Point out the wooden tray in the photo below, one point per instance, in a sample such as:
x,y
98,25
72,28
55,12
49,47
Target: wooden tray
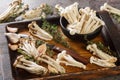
x,y
92,72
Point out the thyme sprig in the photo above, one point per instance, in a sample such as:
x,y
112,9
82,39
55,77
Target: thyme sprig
x,y
116,17
54,31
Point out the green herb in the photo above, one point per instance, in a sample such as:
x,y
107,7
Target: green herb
x,y
50,52
24,54
54,31
38,43
116,17
47,9
102,47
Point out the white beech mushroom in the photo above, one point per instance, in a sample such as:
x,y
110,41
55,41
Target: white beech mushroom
x,y
80,21
35,13
11,7
68,60
101,62
39,54
29,49
36,31
54,64
93,48
52,70
29,66
110,9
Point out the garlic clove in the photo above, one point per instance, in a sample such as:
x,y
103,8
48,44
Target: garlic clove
x,y
13,47
13,37
12,30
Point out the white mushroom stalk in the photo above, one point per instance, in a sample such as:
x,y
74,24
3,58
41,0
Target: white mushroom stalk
x,y
110,9
68,60
101,62
80,21
51,62
29,66
29,49
36,13
10,8
39,55
93,48
36,31
52,70
13,10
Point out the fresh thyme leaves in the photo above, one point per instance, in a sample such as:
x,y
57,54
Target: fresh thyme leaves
x,y
38,43
50,52
54,31
48,9
26,56
102,47
116,17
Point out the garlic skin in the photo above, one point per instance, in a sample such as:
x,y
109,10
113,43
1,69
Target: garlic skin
x,y
13,47
12,30
13,37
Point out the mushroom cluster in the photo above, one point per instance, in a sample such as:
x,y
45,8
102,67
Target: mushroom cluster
x,y
110,9
68,60
36,31
104,60
81,21
15,9
39,54
37,13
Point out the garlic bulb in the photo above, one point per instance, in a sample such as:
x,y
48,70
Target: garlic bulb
x,y
13,37
13,47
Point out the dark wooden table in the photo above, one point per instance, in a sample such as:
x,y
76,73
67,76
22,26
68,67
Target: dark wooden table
x,y
95,4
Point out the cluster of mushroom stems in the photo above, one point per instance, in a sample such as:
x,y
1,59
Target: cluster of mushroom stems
x,y
27,44
110,9
81,21
104,60
13,9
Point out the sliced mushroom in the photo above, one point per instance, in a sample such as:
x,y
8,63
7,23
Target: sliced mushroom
x,y
36,31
